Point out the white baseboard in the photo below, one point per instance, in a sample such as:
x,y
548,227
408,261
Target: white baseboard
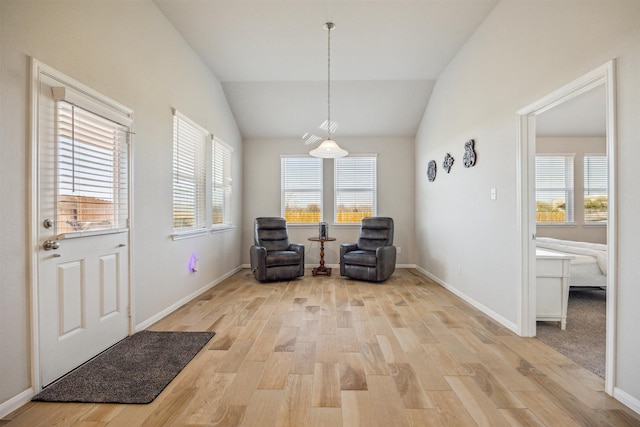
x,y
150,321
628,400
15,402
486,310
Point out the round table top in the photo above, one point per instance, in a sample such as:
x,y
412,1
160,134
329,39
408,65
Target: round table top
x,y
322,239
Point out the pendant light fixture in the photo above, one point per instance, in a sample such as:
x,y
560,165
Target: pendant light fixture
x,y
329,149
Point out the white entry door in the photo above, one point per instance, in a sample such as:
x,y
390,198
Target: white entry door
x,y
82,224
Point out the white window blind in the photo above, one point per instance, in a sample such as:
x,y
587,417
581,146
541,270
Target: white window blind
x,y
92,171
554,189
595,188
301,189
189,174
221,183
355,188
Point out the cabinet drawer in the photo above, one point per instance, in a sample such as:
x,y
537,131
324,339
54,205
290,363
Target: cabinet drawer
x,y
549,268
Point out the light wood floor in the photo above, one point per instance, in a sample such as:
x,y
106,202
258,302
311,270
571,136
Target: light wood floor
x,y
326,351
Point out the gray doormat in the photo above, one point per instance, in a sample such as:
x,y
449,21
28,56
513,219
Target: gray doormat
x,y
135,370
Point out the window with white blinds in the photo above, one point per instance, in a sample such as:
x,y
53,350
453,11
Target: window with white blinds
x,y
92,171
221,183
355,188
595,188
554,189
301,189
189,174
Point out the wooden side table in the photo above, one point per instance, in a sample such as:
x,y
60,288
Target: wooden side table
x,y
322,269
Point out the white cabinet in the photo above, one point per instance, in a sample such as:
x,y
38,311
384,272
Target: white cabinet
x,y
552,286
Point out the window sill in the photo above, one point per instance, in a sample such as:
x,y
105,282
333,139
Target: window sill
x,y
180,235
556,224
189,234
595,224
221,228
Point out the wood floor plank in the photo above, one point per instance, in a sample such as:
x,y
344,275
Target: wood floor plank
x,y
357,410
308,331
521,418
408,340
244,384
304,358
341,352
424,418
408,386
327,349
365,332
373,359
351,371
263,408
227,415
545,409
210,392
235,356
326,386
427,372
295,407
478,404
492,387
286,340
262,348
276,371
388,408
392,350
325,417
347,340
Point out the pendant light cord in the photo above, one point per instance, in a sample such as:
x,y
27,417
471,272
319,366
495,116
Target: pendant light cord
x,y
329,26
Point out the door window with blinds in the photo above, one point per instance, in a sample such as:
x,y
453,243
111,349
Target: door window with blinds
x,y
595,189
355,188
91,169
554,189
301,189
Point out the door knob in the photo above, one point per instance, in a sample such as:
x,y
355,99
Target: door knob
x,y
49,245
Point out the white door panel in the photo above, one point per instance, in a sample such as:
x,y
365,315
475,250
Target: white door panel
x,y
83,277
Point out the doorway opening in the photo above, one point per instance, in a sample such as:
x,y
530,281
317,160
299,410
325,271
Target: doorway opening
x,y
572,218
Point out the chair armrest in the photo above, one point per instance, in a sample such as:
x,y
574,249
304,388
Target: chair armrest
x,y
347,247
258,256
385,253
297,247
386,256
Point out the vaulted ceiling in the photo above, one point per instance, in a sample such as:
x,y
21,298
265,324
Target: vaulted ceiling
x,y
271,58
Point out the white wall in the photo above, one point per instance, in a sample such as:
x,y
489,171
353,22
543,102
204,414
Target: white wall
x,y
523,51
395,193
129,52
595,233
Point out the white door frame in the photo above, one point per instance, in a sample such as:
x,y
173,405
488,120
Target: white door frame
x,y
603,75
38,68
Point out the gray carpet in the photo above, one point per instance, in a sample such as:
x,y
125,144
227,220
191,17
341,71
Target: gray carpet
x,y
584,339
135,370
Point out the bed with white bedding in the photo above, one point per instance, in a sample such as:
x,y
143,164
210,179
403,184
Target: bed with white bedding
x,y
589,265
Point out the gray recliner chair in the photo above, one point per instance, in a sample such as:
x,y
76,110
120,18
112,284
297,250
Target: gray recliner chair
x,y
373,257
272,256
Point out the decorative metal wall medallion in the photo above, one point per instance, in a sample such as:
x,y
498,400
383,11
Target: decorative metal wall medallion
x,y
469,158
431,171
448,162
